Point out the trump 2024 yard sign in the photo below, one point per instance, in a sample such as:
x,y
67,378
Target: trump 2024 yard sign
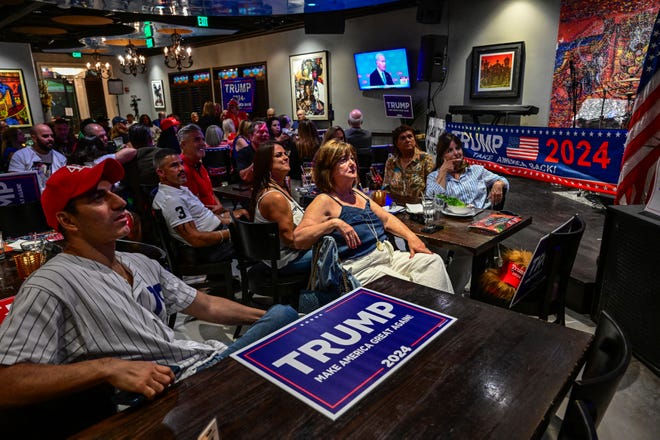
x,y
333,357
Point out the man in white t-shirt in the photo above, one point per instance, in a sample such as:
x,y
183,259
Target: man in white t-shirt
x,y
190,222
40,157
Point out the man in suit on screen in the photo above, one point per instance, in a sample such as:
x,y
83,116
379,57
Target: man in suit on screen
x,y
379,77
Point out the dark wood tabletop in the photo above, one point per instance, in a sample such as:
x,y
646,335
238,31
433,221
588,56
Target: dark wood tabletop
x,y
493,374
234,192
455,234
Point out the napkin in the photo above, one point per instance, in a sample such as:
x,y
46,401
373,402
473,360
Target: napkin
x,y
393,209
414,208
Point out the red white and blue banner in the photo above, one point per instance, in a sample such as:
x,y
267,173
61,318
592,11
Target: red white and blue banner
x,y
584,158
333,357
240,89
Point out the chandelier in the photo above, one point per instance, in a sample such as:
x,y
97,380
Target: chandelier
x,y
98,68
176,55
133,63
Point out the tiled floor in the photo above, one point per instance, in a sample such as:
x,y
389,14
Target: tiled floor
x,y
633,414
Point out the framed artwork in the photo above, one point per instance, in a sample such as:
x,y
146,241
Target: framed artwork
x,y
309,84
14,106
157,93
496,70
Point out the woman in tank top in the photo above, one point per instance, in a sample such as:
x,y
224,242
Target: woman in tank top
x,y
272,201
359,226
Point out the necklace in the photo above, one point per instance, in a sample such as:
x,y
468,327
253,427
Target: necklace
x,y
372,228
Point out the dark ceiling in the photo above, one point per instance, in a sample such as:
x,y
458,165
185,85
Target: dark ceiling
x,y
67,25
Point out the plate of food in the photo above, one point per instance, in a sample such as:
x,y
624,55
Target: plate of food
x,y
456,207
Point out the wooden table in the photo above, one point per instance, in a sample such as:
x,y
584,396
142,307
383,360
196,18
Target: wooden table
x,y
237,194
493,374
456,236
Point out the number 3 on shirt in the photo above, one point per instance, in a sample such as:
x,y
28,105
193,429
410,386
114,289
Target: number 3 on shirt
x,y
182,213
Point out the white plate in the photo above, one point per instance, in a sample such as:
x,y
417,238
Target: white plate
x,y
472,213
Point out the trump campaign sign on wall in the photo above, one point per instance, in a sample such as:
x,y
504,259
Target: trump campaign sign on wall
x,y
585,158
333,357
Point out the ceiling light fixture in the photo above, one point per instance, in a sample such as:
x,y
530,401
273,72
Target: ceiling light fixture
x,y
133,63
97,68
176,55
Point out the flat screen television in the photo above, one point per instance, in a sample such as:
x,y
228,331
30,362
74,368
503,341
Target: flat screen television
x,y
382,69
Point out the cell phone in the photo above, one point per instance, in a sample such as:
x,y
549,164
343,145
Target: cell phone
x,y
430,229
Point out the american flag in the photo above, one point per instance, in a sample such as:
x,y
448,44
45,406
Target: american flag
x,y
643,141
527,149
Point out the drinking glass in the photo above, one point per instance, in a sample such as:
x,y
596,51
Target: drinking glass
x,y
428,206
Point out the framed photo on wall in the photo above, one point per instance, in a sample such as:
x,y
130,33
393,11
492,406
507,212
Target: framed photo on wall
x,y
309,84
14,106
157,93
497,70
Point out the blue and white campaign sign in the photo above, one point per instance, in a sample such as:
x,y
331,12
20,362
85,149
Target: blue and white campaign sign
x,y
333,357
398,106
583,158
240,89
19,188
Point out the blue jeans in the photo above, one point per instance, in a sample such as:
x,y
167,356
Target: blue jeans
x,y
275,318
301,265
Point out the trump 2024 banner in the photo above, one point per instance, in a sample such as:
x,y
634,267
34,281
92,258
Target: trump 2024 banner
x,y
584,158
333,357
240,89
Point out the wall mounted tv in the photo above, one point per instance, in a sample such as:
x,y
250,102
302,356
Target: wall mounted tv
x,y
383,69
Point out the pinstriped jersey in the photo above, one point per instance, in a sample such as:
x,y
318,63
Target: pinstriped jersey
x,y
74,309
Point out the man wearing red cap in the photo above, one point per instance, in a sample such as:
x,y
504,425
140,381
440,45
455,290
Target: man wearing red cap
x,y
93,316
233,113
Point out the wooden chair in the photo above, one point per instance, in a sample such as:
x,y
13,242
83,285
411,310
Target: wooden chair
x,y
607,361
255,243
181,268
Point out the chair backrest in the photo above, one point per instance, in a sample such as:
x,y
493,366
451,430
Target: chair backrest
x,y
578,424
151,251
165,239
19,220
255,241
546,279
607,361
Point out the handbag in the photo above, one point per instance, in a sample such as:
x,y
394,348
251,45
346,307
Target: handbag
x,y
328,280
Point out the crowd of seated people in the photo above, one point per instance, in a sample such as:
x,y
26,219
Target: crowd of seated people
x,y
264,154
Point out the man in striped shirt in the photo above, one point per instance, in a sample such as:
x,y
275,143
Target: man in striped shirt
x,y
92,315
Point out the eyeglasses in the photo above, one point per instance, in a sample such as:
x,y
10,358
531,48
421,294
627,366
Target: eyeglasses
x,y
281,153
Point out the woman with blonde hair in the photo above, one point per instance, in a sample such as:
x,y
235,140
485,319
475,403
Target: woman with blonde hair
x,y
359,227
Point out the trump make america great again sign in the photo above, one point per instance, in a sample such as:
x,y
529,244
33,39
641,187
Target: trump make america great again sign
x,y
333,357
